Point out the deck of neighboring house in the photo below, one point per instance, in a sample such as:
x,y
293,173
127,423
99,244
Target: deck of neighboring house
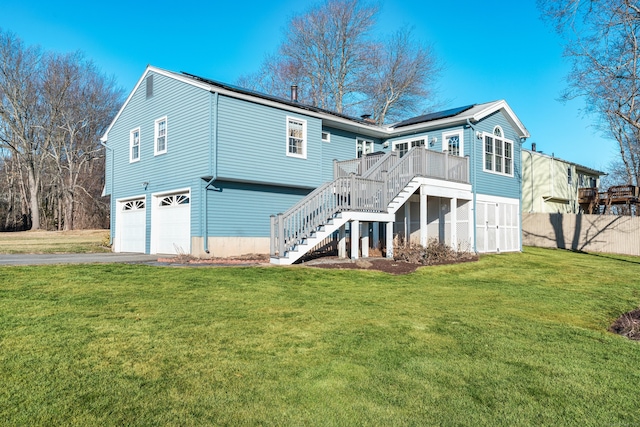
x,y
624,197
369,189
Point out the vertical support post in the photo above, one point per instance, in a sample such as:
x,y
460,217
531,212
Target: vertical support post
x,y
365,239
423,217
453,207
352,191
446,165
272,248
472,228
335,168
342,242
389,239
280,235
375,236
407,223
355,239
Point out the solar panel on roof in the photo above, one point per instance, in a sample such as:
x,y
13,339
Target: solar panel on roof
x,y
434,116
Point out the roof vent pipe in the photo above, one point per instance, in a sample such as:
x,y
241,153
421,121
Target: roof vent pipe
x,y
533,146
294,93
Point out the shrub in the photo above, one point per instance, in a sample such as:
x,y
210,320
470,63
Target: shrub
x,y
435,252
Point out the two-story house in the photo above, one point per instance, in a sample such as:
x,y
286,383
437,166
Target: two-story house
x,y
553,185
201,167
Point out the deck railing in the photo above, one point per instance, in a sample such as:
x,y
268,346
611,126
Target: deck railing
x,y
356,166
383,180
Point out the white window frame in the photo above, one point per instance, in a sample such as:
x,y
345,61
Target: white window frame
x,y
325,136
368,147
132,144
156,135
303,142
445,141
411,142
503,158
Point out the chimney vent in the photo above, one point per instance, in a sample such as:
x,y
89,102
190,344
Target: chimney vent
x,y
294,93
533,146
365,116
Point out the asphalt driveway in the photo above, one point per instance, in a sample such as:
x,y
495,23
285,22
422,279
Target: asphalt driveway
x,y
41,259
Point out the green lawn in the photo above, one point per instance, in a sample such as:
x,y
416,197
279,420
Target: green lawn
x,y
514,339
53,242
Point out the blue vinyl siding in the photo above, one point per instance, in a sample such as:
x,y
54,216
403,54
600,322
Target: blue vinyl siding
x,y
188,121
491,183
243,210
252,145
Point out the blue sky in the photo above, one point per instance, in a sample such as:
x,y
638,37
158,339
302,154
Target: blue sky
x,y
495,49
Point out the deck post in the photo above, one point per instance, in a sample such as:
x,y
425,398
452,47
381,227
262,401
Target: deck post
x,y
365,239
272,242
407,223
355,238
423,217
280,235
454,223
375,236
342,242
389,239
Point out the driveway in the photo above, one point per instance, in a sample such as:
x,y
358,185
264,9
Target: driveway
x,y
41,259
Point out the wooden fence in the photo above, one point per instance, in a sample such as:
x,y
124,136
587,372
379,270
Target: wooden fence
x,y
590,233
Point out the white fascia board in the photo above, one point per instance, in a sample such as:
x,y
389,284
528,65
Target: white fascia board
x,y
492,107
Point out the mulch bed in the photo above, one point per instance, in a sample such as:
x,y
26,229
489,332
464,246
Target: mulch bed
x,y
330,262
628,325
379,264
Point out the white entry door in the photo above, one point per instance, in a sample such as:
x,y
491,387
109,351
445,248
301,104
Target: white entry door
x,y
171,224
131,226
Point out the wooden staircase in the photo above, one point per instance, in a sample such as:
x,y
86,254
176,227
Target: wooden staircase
x,y
369,190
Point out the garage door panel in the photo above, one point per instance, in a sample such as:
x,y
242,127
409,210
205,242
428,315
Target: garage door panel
x,y
171,220
131,226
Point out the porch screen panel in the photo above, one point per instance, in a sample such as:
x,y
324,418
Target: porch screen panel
x,y
462,226
481,227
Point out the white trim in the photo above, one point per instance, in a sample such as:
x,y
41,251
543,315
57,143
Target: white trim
x,y
322,136
305,144
131,138
157,152
445,143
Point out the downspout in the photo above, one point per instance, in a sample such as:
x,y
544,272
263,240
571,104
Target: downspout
x,y
473,186
110,191
213,162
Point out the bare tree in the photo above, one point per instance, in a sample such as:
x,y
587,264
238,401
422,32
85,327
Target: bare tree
x,y
602,43
330,53
53,108
401,79
20,111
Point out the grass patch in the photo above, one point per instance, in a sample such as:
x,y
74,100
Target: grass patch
x,y
514,339
53,242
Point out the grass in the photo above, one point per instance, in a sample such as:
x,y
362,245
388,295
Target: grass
x,y
51,242
515,339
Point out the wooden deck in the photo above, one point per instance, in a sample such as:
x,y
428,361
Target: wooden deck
x,y
591,201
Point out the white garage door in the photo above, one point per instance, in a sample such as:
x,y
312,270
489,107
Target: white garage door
x,y
171,224
131,226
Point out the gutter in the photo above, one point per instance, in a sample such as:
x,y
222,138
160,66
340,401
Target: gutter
x,y
213,163
473,186
111,217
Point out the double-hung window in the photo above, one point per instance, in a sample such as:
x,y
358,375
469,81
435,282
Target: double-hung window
x,y
160,145
296,138
498,153
453,143
363,147
134,145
